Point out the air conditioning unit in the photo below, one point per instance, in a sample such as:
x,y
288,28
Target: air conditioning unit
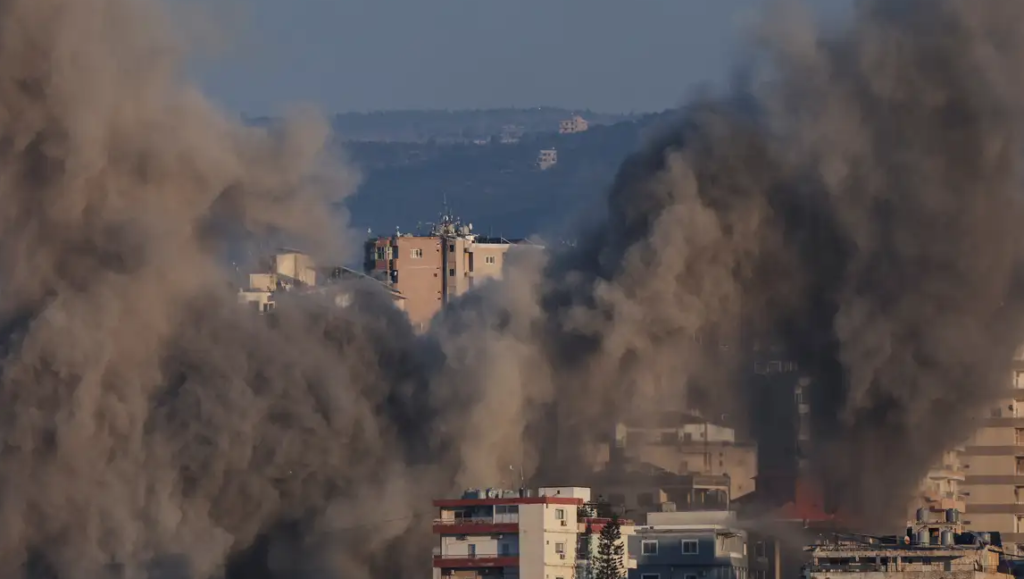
x,y
565,523
561,556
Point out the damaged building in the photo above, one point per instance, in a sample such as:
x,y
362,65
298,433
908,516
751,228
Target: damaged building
x,y
931,548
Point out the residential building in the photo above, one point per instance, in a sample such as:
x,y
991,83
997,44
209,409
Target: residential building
x,y
940,489
689,546
430,271
294,271
576,124
640,489
993,461
511,534
920,554
684,444
547,158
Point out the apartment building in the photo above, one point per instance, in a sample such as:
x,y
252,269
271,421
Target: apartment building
x,y
431,270
993,461
684,443
547,158
939,552
941,489
576,124
506,534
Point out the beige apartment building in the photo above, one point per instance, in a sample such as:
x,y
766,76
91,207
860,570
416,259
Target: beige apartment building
x,y
684,444
942,488
994,464
430,271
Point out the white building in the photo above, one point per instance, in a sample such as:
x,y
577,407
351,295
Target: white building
x,y
547,158
511,534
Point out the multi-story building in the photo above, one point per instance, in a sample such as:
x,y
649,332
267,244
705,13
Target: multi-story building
x,y
511,534
940,489
290,270
430,271
993,461
547,158
576,124
689,546
922,553
685,444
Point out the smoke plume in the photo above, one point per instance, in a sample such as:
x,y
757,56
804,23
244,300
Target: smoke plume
x,y
855,197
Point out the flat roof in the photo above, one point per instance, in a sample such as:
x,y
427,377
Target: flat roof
x,y
507,501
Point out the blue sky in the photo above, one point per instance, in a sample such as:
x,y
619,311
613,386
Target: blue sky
x,y
358,55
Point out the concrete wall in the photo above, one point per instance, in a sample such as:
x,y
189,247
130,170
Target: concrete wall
x,y
418,264
717,555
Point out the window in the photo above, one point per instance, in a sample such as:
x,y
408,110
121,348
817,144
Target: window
x,y
560,548
506,549
416,253
490,259
1018,379
1020,465
759,549
1018,436
1019,524
649,547
451,272
451,248
689,547
1018,493
560,514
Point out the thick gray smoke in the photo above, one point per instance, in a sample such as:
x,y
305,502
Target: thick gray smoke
x,y
857,198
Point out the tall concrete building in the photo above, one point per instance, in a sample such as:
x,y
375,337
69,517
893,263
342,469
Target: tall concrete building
x,y
431,270
994,465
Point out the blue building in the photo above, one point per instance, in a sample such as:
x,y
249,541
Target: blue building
x,y
699,551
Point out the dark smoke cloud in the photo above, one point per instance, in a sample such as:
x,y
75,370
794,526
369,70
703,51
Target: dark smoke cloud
x,y
856,196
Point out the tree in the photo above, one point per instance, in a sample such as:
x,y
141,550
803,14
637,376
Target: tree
x,y
610,552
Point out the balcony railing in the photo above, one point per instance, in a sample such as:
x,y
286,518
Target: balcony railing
x,y
478,521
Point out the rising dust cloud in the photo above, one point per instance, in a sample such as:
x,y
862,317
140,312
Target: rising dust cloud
x,y
856,197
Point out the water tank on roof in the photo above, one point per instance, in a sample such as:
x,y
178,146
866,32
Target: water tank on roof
x,y
472,494
668,507
952,516
922,515
494,493
923,538
947,538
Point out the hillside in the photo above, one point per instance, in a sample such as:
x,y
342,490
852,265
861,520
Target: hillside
x,y
495,186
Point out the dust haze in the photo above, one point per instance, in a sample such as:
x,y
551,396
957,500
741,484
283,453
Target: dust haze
x,y
855,196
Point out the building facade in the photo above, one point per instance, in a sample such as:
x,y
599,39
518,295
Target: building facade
x,y
688,551
576,124
430,271
294,271
687,444
953,556
993,461
511,534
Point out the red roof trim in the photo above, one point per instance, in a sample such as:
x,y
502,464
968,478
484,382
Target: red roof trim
x,y
507,501
475,528
474,562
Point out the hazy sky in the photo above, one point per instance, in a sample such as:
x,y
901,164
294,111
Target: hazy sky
x,y
357,55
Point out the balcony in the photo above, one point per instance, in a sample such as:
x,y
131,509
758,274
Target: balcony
x,y
476,526
474,561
